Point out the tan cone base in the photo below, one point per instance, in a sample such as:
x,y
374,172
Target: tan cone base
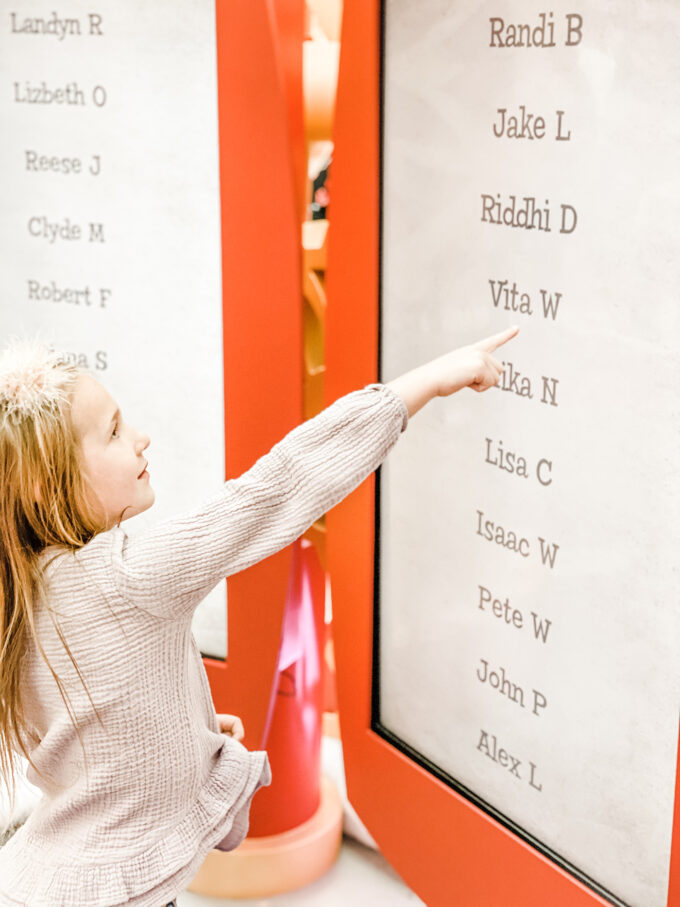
x,y
276,863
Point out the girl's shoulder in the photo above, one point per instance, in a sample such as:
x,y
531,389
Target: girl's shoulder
x,y
98,548
64,568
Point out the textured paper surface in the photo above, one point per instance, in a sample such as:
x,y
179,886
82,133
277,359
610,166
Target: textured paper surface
x,y
132,230
574,676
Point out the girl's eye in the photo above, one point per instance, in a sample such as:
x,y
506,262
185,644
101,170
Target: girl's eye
x,y
115,431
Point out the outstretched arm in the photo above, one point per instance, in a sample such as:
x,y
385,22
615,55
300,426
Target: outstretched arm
x,y
469,366
169,569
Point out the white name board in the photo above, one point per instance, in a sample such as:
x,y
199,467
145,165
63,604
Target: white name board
x,y
529,535
110,226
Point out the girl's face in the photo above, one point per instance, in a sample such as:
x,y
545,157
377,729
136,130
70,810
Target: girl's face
x,y
112,455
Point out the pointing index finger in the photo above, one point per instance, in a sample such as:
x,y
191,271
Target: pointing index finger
x,y
489,344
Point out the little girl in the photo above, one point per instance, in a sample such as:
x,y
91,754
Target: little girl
x,y
102,685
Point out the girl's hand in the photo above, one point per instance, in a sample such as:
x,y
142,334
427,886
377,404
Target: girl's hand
x,y
469,366
232,725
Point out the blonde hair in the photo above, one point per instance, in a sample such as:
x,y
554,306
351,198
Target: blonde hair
x,y
43,503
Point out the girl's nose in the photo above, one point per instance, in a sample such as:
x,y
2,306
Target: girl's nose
x,y
144,442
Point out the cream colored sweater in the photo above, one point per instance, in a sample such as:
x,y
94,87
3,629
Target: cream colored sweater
x,y
163,785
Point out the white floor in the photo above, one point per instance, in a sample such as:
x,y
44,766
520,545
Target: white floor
x,y
361,877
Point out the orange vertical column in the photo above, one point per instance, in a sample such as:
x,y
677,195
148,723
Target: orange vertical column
x,y
296,823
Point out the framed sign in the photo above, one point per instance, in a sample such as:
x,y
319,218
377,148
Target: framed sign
x,y
506,616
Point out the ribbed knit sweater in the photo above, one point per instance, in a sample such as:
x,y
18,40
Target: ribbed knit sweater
x,y
163,785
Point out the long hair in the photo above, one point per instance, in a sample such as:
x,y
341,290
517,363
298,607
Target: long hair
x,y
44,502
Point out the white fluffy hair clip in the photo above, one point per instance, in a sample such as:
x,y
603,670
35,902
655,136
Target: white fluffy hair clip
x,y
30,377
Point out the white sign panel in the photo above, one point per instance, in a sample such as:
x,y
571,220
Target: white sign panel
x,y
529,535
110,224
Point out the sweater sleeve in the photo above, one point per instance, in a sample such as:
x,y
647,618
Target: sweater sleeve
x,y
168,569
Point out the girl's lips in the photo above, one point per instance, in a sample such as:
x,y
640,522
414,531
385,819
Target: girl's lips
x,y
144,475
